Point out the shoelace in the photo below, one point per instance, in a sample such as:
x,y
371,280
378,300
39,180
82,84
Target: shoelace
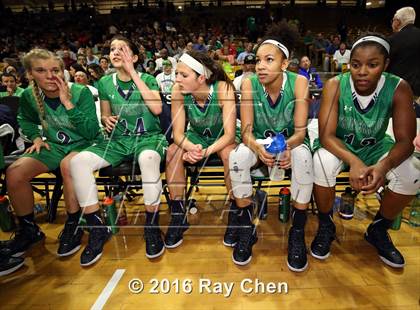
x,y
383,239
296,239
151,234
96,236
68,232
245,235
325,233
177,223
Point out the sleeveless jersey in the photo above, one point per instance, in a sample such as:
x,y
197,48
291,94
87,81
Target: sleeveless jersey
x,y
205,121
271,118
361,128
126,101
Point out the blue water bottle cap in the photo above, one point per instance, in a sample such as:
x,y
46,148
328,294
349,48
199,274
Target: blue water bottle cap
x,y
278,144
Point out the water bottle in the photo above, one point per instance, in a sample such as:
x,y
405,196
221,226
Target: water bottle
x,y
122,212
276,147
396,224
110,214
284,204
7,220
347,204
414,219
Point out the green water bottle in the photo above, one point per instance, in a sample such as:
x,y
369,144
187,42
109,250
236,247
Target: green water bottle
x,y
284,204
414,219
396,224
7,220
110,214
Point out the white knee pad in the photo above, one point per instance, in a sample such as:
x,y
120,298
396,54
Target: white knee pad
x,y
404,179
326,168
149,162
302,174
82,167
241,159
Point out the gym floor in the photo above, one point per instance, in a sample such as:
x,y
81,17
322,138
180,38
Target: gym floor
x,y
201,274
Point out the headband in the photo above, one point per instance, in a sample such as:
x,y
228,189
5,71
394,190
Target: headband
x,y
279,45
376,39
195,65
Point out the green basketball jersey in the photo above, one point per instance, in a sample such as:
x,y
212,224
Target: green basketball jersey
x,y
271,118
126,101
205,121
66,127
361,128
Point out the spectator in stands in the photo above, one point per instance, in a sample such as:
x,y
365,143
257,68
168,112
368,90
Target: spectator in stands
x,y
246,52
204,95
273,101
67,59
68,120
309,73
9,80
355,112
248,68
90,57
73,69
200,45
341,57
130,105
164,56
104,63
176,50
151,68
320,46
96,73
405,49
293,65
330,51
166,78
81,60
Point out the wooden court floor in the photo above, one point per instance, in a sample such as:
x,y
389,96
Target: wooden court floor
x,y
201,275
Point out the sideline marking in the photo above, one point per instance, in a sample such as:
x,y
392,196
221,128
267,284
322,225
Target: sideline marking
x,y
107,291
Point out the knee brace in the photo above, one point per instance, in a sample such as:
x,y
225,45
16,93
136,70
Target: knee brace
x,y
404,179
241,159
149,162
326,168
302,174
82,167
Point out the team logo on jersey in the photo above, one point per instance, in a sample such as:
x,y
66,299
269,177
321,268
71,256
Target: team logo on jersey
x,y
347,108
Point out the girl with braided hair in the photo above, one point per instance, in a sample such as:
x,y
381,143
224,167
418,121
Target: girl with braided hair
x,y
60,119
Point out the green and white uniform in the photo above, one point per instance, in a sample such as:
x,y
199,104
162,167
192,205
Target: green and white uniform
x,y
18,92
362,124
271,118
66,130
205,123
363,130
137,129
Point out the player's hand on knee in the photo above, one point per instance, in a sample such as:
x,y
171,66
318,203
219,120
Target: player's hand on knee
x,y
109,122
38,144
375,176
